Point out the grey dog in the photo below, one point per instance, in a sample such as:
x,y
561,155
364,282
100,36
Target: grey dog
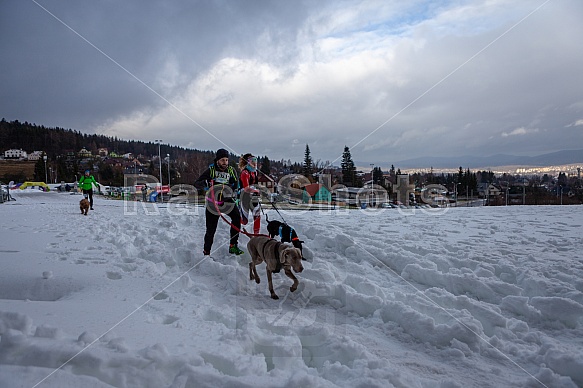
x,y
276,256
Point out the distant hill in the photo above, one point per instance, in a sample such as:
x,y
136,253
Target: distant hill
x,y
59,141
468,161
186,164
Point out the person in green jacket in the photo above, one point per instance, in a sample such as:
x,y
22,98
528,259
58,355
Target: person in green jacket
x,y
86,183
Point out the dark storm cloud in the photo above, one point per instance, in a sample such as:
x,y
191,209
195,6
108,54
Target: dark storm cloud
x,y
53,76
390,79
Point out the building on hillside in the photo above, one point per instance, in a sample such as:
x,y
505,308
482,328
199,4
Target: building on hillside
x,y
387,180
266,182
316,193
488,190
403,190
133,167
70,157
84,153
102,152
349,196
35,155
15,154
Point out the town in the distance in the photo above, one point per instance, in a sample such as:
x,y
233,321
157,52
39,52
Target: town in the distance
x,y
35,157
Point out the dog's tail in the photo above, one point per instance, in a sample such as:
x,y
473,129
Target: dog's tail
x,y
267,218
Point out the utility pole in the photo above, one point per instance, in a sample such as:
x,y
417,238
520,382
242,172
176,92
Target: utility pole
x,y
46,176
159,142
168,158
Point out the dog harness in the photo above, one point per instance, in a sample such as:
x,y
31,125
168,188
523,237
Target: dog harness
x,y
278,265
291,231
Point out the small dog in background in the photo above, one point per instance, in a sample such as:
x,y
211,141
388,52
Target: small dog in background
x,y
84,206
286,232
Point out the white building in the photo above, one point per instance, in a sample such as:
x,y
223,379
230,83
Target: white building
x,y
35,155
15,154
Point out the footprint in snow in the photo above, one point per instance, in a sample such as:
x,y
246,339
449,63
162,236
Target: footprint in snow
x,y
113,275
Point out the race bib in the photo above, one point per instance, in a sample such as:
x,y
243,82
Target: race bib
x,y
222,178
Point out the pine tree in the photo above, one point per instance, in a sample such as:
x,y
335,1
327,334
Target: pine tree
x,y
460,176
308,167
377,176
265,166
348,168
39,170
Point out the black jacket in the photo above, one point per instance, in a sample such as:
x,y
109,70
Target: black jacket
x,y
216,178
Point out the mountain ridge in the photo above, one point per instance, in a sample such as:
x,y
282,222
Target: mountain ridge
x,y
468,161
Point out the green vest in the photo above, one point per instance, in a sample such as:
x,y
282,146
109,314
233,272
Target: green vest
x,y
87,182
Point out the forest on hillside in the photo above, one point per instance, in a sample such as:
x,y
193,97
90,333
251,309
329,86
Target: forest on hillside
x,y
59,144
59,141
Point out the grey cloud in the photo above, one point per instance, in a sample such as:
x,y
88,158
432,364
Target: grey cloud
x,y
54,77
324,73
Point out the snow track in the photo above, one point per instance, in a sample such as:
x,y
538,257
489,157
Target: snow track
x,y
468,297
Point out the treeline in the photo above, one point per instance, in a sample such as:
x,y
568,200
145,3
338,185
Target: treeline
x,y
59,141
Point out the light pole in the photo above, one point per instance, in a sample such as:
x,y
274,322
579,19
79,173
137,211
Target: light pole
x,y
168,159
371,183
46,176
159,142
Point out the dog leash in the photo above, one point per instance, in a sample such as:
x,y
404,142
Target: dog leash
x,y
283,219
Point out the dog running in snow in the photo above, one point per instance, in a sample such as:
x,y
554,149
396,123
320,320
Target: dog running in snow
x,y
84,206
276,256
286,232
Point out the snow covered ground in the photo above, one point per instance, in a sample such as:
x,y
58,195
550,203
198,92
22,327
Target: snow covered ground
x,y
468,297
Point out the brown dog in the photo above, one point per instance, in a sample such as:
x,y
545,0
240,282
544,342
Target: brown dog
x,y
276,256
84,206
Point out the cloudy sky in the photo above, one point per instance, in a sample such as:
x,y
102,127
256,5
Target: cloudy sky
x,y
391,79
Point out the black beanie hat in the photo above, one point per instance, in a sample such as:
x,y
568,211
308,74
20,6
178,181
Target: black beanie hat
x,y
221,153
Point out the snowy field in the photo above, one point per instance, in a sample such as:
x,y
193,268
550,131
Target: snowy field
x,y
468,297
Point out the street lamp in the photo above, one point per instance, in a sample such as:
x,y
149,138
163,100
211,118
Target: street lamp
x,y
371,183
159,142
168,159
46,176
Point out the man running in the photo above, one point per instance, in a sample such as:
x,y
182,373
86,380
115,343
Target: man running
x,y
219,181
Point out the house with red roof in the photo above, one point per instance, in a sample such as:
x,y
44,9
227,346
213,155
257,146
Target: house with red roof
x,y
316,193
